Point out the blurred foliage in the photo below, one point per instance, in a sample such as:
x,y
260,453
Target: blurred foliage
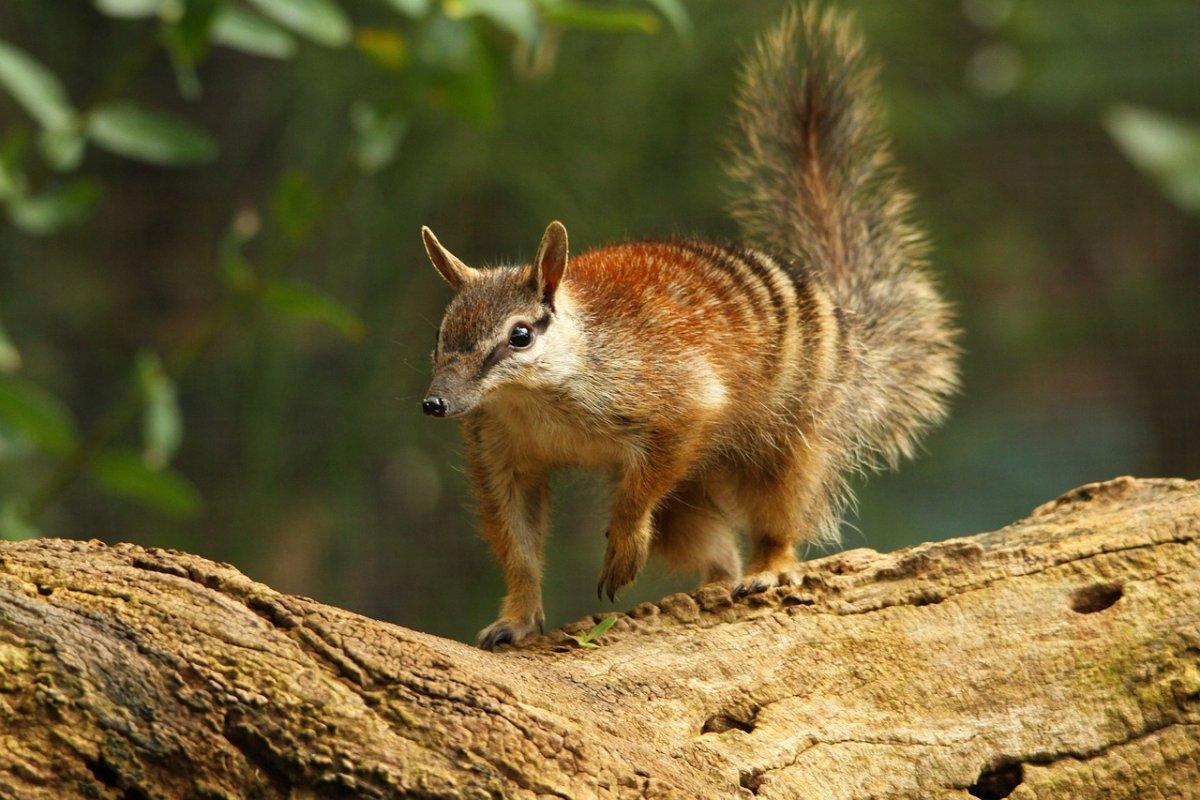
x,y
186,180
1167,149
186,30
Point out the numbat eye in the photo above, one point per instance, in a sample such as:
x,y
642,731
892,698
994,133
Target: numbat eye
x,y
520,337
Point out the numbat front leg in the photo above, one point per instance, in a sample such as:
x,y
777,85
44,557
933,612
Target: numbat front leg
x,y
513,513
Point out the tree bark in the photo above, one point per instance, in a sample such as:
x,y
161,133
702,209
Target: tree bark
x,y
1056,658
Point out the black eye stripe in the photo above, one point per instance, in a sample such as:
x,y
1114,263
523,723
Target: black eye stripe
x,y
493,358
501,349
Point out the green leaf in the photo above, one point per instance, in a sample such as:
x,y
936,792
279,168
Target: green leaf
x,y
130,9
588,639
186,77
250,33
516,16
414,8
55,209
676,14
36,414
601,628
602,18
10,357
135,132
295,204
306,303
36,88
186,40
62,148
323,21
1165,148
379,133
13,526
125,473
162,421
13,182
191,33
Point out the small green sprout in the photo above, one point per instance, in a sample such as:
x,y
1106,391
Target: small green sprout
x,y
588,639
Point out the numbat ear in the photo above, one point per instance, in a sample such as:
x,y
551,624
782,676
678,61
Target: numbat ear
x,y
448,265
551,261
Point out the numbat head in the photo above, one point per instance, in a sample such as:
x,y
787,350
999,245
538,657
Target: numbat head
x,y
498,331
725,386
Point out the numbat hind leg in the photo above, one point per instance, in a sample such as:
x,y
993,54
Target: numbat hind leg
x,y
693,535
781,512
772,556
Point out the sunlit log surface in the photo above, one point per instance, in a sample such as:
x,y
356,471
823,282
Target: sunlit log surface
x,y
1056,658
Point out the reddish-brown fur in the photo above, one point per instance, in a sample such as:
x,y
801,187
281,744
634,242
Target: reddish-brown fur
x,y
722,386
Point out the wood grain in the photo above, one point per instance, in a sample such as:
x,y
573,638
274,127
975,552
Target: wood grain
x,y
1056,658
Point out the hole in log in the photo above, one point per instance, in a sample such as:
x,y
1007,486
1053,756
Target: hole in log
x,y
104,773
1097,597
257,749
738,718
998,782
929,597
752,780
45,591
719,723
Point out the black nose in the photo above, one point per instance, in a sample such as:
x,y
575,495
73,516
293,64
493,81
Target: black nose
x,y
434,406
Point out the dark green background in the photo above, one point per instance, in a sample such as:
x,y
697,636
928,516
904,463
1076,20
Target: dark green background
x,y
1075,278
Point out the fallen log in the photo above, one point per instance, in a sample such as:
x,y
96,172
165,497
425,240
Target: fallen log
x,y
1056,658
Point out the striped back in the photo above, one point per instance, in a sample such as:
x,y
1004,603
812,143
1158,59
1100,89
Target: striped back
x,y
763,324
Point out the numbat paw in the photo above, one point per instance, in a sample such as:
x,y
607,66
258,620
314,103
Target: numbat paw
x,y
507,631
761,581
621,566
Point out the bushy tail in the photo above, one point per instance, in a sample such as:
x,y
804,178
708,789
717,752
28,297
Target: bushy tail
x,y
818,184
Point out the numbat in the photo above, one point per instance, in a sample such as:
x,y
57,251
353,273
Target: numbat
x,y
727,386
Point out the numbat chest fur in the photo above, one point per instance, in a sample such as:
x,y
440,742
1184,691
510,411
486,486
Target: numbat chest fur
x,y
726,386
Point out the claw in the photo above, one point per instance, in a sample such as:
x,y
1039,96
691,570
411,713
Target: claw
x,y
749,587
511,630
607,586
621,567
495,637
